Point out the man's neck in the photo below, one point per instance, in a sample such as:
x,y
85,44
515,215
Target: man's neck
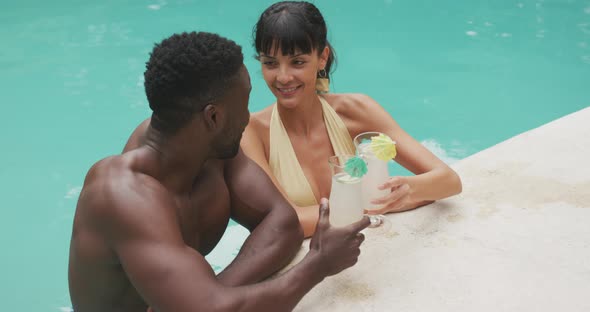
x,y
176,159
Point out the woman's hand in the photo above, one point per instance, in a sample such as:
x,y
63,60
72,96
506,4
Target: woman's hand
x,y
399,199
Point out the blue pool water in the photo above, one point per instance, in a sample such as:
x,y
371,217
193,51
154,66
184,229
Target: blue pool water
x,y
460,76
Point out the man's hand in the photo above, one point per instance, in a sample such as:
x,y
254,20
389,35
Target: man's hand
x,y
336,248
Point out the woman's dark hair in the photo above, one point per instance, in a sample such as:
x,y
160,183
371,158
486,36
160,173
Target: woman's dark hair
x,y
293,26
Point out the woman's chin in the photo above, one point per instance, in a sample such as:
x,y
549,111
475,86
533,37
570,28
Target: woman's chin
x,y
287,103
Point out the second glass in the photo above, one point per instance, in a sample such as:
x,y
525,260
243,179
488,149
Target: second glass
x,y
377,174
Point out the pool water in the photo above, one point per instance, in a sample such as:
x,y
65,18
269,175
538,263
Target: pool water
x,y
460,76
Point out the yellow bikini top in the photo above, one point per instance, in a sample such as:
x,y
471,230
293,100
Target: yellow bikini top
x,y
283,161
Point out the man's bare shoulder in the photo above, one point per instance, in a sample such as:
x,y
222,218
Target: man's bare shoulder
x,y
115,193
137,136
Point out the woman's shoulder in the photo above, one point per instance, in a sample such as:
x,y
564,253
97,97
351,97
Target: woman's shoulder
x,y
256,134
351,105
260,120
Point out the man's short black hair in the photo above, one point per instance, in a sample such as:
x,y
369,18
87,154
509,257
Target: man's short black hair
x,y
187,71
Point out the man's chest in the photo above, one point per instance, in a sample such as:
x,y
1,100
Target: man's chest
x,y
205,213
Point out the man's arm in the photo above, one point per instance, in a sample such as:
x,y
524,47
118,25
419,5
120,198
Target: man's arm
x,y
273,243
276,235
170,276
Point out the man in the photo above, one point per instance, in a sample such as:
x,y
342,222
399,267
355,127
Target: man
x,y
146,218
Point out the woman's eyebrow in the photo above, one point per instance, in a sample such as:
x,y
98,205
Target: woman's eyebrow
x,y
290,56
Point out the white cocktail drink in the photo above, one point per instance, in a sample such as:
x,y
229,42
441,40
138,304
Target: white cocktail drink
x,y
345,199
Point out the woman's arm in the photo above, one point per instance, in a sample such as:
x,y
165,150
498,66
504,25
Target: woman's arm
x,y
433,178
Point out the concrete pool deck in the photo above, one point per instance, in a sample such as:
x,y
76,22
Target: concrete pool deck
x,y
516,239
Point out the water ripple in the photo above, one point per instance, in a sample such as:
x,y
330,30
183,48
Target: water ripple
x,y
447,156
73,192
157,6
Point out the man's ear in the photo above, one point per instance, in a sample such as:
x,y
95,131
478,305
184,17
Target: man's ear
x,y
211,117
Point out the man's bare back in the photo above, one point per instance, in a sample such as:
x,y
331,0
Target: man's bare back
x,y
202,216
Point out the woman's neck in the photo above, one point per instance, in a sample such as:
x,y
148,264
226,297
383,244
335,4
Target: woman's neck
x,y
304,117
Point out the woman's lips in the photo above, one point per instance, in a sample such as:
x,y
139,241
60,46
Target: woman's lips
x,y
288,91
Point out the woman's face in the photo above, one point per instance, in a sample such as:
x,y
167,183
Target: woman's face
x,y
292,78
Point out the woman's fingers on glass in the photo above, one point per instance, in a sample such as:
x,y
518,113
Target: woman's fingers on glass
x,y
391,197
373,212
380,200
379,211
393,201
399,205
389,208
393,205
391,183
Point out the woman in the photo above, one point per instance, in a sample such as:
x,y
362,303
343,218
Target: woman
x,y
293,138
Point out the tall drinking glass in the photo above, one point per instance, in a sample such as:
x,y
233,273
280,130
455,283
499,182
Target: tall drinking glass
x,y
345,198
377,174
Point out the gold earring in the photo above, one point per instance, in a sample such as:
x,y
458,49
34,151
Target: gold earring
x,y
322,84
